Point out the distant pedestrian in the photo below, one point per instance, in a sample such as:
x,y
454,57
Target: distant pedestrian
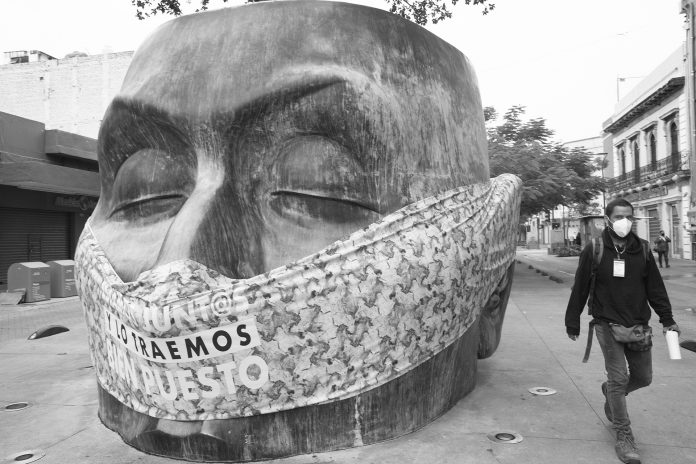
x,y
619,274
662,248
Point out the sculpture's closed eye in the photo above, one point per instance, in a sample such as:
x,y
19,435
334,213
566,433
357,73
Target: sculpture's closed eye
x,y
150,185
297,205
315,177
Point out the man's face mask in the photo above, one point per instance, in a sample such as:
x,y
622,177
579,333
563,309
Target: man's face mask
x,y
621,227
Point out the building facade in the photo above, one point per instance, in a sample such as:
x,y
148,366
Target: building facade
x,y
49,185
50,113
68,94
647,140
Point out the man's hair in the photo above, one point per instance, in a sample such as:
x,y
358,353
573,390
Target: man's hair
x,y
614,203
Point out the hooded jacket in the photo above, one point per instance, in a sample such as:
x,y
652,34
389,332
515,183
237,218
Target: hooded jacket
x,y
622,300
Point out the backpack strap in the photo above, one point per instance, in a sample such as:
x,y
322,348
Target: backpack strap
x,y
590,334
597,253
646,249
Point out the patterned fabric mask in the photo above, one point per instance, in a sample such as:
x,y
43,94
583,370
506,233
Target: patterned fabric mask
x,y
185,342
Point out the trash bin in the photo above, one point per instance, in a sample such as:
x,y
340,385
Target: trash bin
x,y
62,278
34,277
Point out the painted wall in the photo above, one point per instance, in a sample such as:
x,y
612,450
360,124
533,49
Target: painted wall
x,y
68,94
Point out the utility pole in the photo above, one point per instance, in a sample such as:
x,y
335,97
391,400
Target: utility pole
x,y
687,8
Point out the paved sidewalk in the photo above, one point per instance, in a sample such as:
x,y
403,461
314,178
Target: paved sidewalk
x,y
563,269
55,375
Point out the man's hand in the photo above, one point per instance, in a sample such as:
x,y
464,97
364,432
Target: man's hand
x,y
674,327
573,337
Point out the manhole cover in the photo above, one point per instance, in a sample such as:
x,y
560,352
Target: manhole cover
x,y
505,437
542,391
25,456
16,406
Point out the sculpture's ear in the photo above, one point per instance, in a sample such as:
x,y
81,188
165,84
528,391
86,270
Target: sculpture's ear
x,y
492,315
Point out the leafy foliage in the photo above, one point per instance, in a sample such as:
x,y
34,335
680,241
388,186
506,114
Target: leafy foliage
x,y
418,11
552,174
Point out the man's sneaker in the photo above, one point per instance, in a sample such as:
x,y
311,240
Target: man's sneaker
x,y
626,447
607,409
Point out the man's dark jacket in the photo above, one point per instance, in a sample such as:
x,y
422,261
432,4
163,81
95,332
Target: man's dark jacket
x,y
623,300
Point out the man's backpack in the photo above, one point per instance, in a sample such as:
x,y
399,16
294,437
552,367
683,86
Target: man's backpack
x,y
597,253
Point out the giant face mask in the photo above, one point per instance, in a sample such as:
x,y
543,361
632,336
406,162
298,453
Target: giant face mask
x,y
243,144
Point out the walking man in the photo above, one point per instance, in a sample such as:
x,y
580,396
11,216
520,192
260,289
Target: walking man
x,y
662,248
620,280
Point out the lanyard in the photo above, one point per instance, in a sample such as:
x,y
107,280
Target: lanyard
x,y
618,253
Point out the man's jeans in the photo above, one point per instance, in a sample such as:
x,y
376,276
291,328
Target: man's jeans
x,y
621,381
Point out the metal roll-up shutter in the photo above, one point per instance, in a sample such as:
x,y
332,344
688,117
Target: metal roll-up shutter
x,y
32,235
654,226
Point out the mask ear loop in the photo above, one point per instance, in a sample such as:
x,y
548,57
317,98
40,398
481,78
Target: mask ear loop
x,y
609,223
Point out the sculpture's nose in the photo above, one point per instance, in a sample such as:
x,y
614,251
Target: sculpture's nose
x,y
218,225
201,229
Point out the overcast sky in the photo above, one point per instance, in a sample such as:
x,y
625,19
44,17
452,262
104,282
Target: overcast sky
x,y
559,58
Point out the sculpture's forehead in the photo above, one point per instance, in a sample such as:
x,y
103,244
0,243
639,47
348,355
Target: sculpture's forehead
x,y
224,59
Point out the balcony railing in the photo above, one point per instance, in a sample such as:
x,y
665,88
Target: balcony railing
x,y
653,171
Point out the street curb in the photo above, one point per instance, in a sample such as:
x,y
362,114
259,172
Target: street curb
x,y
541,269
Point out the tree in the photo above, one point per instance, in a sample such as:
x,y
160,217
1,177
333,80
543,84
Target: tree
x,y
552,174
418,11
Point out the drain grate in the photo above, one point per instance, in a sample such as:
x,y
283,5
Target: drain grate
x,y
18,406
25,456
542,391
506,437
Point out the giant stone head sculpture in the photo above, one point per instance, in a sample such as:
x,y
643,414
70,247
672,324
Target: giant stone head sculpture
x,y
247,138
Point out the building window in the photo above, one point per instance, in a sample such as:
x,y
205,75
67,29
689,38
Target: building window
x,y
622,161
652,149
636,159
673,138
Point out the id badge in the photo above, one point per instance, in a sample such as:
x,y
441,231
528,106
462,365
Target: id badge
x,y
619,268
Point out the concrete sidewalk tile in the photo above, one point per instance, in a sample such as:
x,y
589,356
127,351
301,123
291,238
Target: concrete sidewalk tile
x,y
534,357
660,414
651,454
543,450
41,426
26,367
95,444
73,390
502,401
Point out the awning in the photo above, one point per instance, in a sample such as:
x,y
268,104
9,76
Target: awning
x,y
28,173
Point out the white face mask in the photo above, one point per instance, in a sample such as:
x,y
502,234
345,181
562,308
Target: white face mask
x,y
621,227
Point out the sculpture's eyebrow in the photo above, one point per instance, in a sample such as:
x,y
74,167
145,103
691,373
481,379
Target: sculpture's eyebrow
x,y
144,113
302,84
286,94
131,125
